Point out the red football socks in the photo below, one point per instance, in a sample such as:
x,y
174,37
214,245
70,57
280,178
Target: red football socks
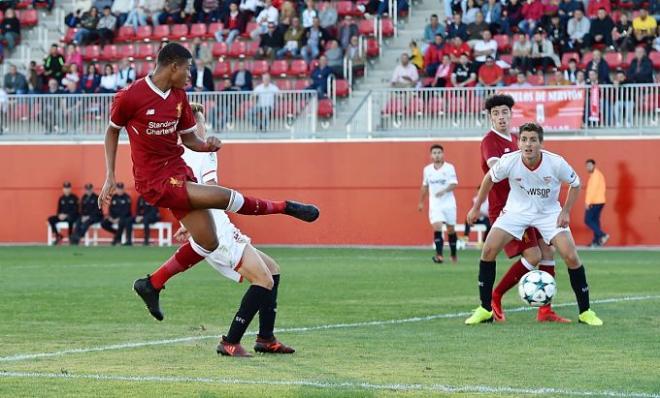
x,y
257,207
183,259
510,279
548,268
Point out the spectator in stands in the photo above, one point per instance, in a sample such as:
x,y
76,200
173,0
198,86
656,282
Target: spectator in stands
x,y
101,4
292,40
476,28
189,10
470,10
456,48
269,15
599,65
405,74
119,213
234,25
335,56
532,12
201,50
287,13
490,74
492,12
511,16
271,42
70,87
50,110
90,214
201,77
432,29
567,10
72,75
457,28
320,76
72,19
309,14
550,9
91,80
376,7
558,78
347,30
241,79
67,210
434,55
207,10
171,9
15,82
556,33
137,15
10,31
622,31
416,57
600,31
455,6
571,72
521,51
250,7
442,74
265,95
656,42
595,5
121,8
641,67
580,79
592,77
313,41
543,53
88,23
126,74
53,64
464,74
73,56
35,79
146,214
49,4
577,29
109,80
328,16
623,100
105,29
487,47
521,80
644,28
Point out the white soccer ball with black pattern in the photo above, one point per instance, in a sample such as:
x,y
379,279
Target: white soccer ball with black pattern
x,y
537,288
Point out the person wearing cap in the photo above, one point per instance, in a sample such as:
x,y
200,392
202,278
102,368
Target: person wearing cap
x,y
119,212
146,214
67,210
90,214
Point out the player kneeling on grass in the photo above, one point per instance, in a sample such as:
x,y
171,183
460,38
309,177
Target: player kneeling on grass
x,y
235,258
535,177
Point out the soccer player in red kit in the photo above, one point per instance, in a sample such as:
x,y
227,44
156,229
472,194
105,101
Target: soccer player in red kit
x,y
533,251
155,113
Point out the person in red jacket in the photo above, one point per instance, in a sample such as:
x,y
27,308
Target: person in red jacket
x,y
532,12
595,5
433,55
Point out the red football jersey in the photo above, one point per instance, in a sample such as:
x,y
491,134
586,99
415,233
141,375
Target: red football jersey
x,y
494,145
153,120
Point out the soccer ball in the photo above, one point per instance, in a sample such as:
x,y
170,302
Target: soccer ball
x,y
537,288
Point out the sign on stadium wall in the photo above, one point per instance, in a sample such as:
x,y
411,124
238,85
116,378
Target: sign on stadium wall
x,y
557,109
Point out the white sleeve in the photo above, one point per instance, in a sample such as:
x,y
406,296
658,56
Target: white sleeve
x,y
425,180
567,174
210,168
451,177
500,170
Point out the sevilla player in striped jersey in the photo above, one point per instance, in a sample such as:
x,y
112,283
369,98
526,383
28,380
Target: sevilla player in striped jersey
x,y
532,251
155,113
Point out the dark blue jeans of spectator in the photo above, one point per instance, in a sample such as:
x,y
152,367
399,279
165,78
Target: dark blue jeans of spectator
x,y
592,219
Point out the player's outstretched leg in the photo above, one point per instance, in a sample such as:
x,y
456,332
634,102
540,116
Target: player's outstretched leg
x,y
511,278
565,245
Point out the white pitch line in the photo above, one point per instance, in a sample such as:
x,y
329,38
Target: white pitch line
x,y
336,385
122,346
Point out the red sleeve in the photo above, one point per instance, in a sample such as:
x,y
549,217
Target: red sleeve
x,y
187,122
489,150
121,110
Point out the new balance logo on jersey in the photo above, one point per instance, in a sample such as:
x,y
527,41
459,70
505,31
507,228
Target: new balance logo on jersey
x,y
151,112
542,192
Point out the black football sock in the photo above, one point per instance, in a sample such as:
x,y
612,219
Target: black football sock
x,y
437,238
486,281
252,300
268,311
452,243
580,287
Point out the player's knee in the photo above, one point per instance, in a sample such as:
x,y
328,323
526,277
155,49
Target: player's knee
x,y
533,258
489,252
264,280
572,260
210,243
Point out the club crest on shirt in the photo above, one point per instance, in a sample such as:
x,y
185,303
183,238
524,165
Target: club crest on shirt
x,y
175,182
179,109
547,180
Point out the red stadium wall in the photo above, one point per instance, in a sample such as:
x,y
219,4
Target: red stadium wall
x,y
367,191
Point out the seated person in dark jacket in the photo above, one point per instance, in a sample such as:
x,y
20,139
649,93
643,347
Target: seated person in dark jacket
x,y
120,213
89,214
201,77
600,31
10,30
320,76
599,65
271,42
67,210
241,79
146,214
641,68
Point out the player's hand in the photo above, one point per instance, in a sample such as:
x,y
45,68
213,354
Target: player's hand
x,y
472,215
181,235
61,216
563,219
107,191
440,193
420,207
213,144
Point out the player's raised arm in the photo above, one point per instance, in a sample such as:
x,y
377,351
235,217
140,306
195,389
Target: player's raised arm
x,y
193,142
111,142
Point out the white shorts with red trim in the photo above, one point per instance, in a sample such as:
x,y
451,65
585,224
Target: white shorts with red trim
x,y
516,224
226,259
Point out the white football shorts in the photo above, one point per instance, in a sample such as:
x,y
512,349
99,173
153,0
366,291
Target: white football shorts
x,y
516,224
445,214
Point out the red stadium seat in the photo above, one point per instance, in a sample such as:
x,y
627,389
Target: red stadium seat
x,y
259,67
284,84
70,34
219,50
39,5
142,69
313,65
197,30
366,27
566,57
298,68
372,48
249,28
160,32
508,58
342,88
23,4
143,33
324,109
179,32
655,59
124,34
111,53
588,56
144,51
344,8
536,80
2,15
252,48
503,43
127,51
279,68
213,27
388,27
301,84
187,45
614,60
222,69
28,17
91,53
238,49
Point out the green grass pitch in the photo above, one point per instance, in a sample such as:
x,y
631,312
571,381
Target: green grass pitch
x,y
366,323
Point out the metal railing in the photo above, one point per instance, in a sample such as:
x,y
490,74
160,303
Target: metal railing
x,y
360,121
628,109
286,114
